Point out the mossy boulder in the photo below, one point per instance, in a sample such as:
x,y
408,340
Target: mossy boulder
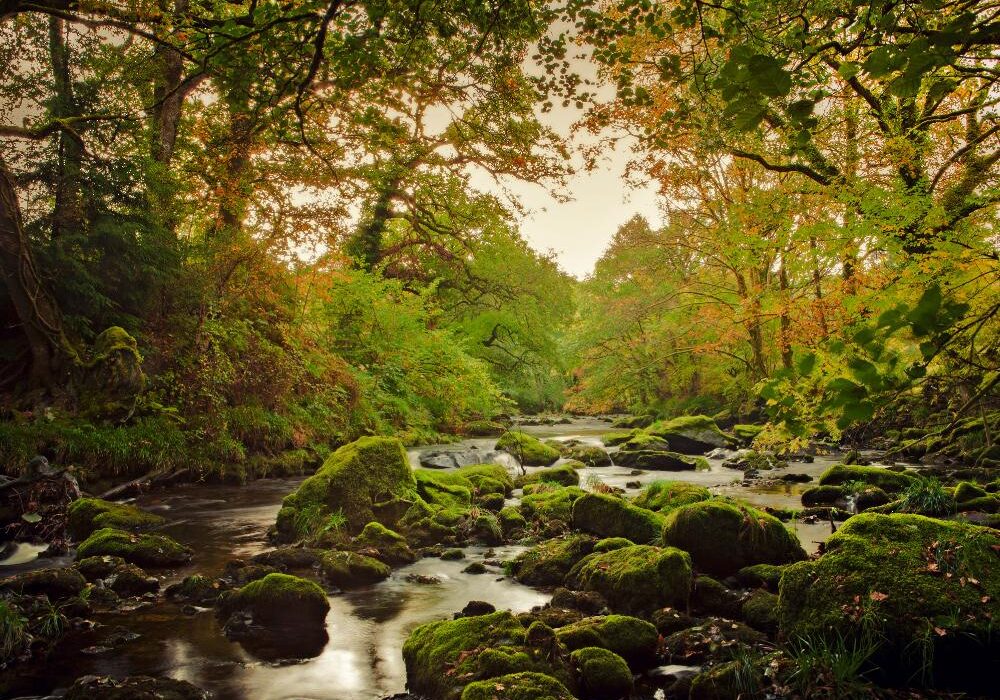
x,y
278,600
482,428
886,479
88,514
601,674
590,455
711,597
823,495
528,449
723,536
615,438
94,568
967,491
130,580
57,584
760,576
551,504
659,460
443,657
352,570
364,481
609,544
563,474
634,421
712,638
664,496
760,611
527,685
511,521
196,589
388,546
633,639
146,550
690,434
746,432
487,478
718,682
610,516
925,583
636,579
547,564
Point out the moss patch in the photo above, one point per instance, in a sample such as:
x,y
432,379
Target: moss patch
x,y
613,439
591,455
663,496
610,516
930,587
518,686
442,657
551,504
632,639
390,547
602,674
144,550
527,449
360,482
548,563
278,600
636,579
562,474
724,536
352,570
886,479
88,514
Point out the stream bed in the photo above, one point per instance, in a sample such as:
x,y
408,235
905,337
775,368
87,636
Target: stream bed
x,y
367,627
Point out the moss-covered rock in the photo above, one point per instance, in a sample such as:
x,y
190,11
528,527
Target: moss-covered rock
x,y
615,438
88,514
130,580
528,449
487,478
718,682
196,589
601,674
547,563
551,504
57,584
482,428
471,649
746,432
967,491
642,421
659,460
760,576
352,570
590,455
823,495
278,600
367,480
690,434
760,611
94,568
610,516
563,474
493,502
710,597
664,496
636,579
388,546
929,586
724,536
527,685
511,521
609,544
887,479
633,639
713,638
146,550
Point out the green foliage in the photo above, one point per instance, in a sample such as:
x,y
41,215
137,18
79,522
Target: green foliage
x,y
14,634
926,496
831,666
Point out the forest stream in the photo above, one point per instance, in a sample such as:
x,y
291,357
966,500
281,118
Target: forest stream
x,y
367,627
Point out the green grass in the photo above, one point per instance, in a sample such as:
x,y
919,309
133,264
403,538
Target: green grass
x,y
831,666
13,631
927,497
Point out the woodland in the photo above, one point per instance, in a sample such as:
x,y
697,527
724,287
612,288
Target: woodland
x,y
253,242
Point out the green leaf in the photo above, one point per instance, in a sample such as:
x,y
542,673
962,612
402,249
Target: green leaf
x,y
807,363
31,518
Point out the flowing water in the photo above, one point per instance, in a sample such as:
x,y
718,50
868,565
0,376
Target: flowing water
x,y
362,659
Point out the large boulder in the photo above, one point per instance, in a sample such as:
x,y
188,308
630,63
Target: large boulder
x,y
278,601
884,478
146,550
690,434
549,504
664,496
591,455
527,449
723,536
352,570
443,657
563,474
384,544
633,639
926,591
88,514
636,579
547,564
367,480
526,685
57,584
610,516
134,688
601,673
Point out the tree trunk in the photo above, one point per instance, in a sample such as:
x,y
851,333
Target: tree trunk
x,y
168,95
784,322
36,310
68,211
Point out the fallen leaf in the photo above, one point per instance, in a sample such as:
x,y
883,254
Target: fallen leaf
x,y
877,597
